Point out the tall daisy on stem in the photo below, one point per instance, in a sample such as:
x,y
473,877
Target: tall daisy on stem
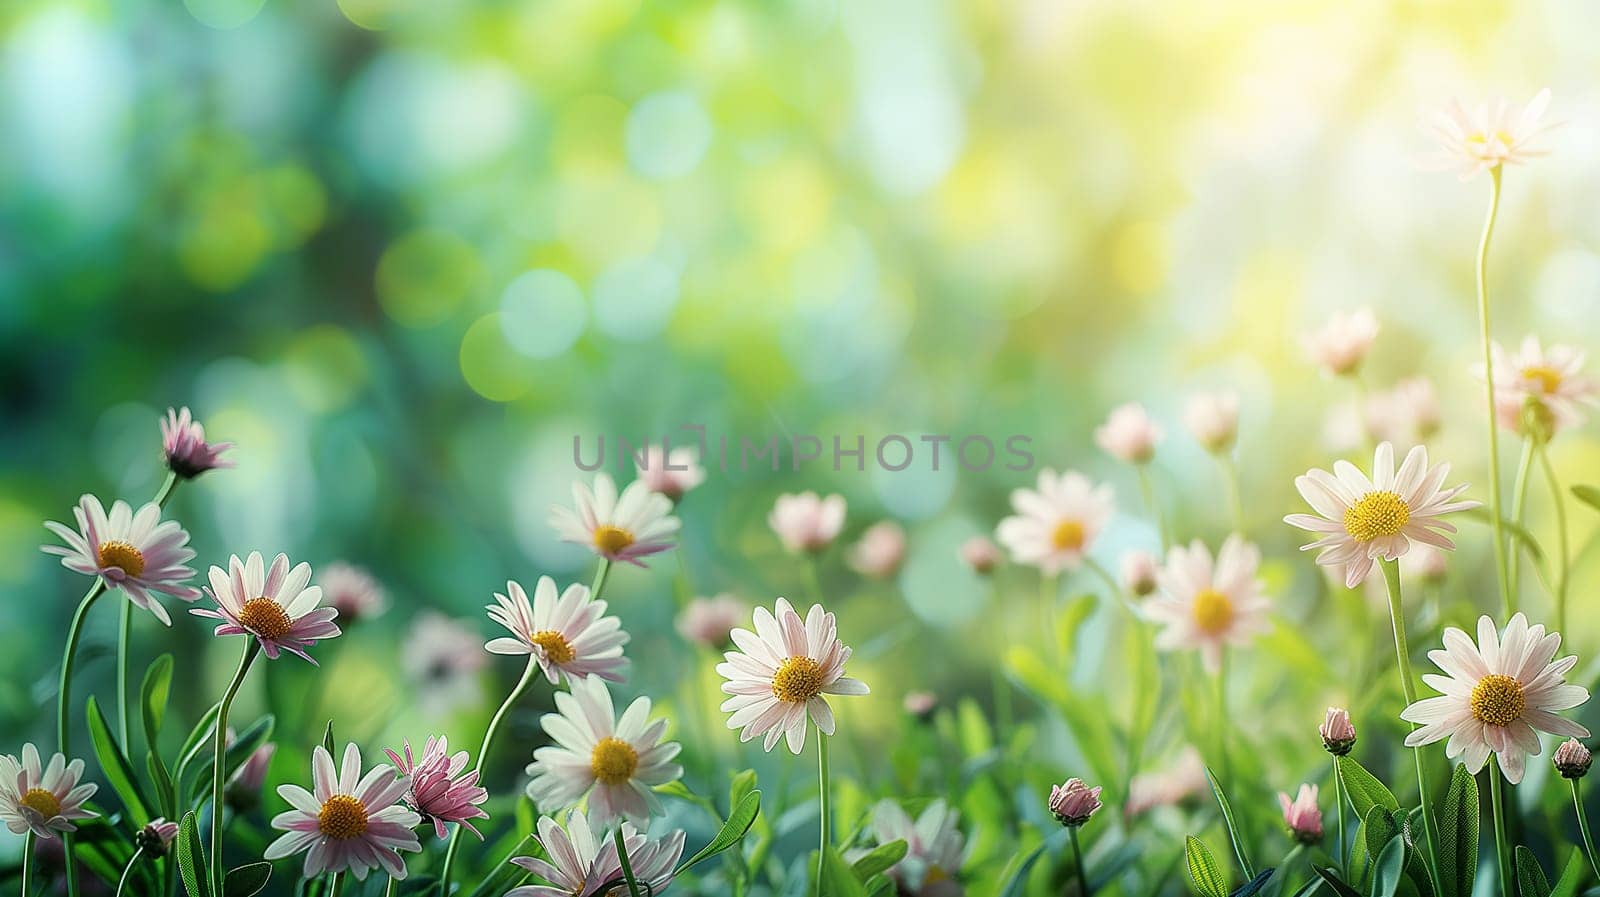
x,y
616,527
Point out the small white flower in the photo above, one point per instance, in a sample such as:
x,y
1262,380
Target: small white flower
x,y
1213,419
671,473
1552,380
570,635
1209,606
935,847
625,527
1129,434
807,523
880,550
1343,342
1473,141
1055,526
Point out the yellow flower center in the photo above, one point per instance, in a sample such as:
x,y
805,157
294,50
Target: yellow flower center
x,y
1498,700
1212,611
343,817
1380,513
1068,536
123,556
42,802
613,761
265,618
555,645
797,680
611,539
1548,378
1480,138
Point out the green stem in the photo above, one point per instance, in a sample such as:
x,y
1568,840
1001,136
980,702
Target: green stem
x,y
600,575
1222,719
337,884
1560,504
64,704
125,628
627,865
1519,498
1077,859
1230,471
1502,850
813,581
27,861
123,881
388,887
1391,577
1507,601
1338,798
219,749
1148,488
1583,828
825,805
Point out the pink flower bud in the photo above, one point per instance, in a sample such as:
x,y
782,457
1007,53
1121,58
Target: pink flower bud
x,y
1139,570
708,621
921,704
1129,434
1572,759
183,440
1074,802
1213,420
671,473
156,836
880,551
1338,734
1343,342
1301,814
807,522
981,554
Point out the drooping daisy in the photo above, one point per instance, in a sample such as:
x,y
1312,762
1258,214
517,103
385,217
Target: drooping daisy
x,y
628,527
45,800
1343,342
671,473
981,555
156,837
616,762
442,789
138,553
347,821
780,673
1055,525
583,860
807,523
1208,606
880,551
1552,380
1140,572
1497,695
935,847
1361,520
353,592
570,635
183,440
1492,134
275,606
1129,434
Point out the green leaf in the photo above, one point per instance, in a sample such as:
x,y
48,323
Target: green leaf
x,y
115,766
1254,885
732,831
253,737
743,783
1364,788
1378,829
1458,835
836,878
195,743
881,859
327,742
1390,869
1330,876
1232,825
191,858
1530,878
1572,877
880,886
1589,495
1019,876
153,698
246,880
166,794
1203,869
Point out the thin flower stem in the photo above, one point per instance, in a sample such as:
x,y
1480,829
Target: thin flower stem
x,y
1222,719
123,881
1391,577
1564,558
388,887
124,629
627,865
813,581
600,575
1148,488
1338,798
1077,859
337,885
27,861
1502,850
219,749
1519,499
1507,601
64,705
1230,472
1583,827
825,805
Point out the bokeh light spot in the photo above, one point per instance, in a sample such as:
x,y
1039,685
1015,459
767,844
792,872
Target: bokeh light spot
x,y
224,14
490,366
325,367
667,135
542,313
634,299
423,276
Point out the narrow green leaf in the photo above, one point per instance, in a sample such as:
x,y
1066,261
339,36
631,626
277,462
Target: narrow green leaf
x,y
153,698
1330,876
743,783
1364,788
1232,825
1458,835
199,737
1203,869
1517,530
327,741
245,744
1572,877
1530,878
1254,885
732,831
246,880
1390,868
880,886
881,859
1019,876
1378,829
1589,495
191,858
115,766
166,795
836,878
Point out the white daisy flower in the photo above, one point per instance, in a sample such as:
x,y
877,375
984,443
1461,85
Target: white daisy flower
x,y
570,635
583,860
1476,140
1129,434
1552,379
935,847
45,800
1208,606
807,523
628,527
1498,695
1343,342
138,553
780,673
347,821
1055,525
1213,419
616,762
1361,520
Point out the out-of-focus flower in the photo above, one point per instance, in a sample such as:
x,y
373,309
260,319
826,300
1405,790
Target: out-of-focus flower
x,y
1407,414
920,704
1183,780
1360,520
1546,386
671,474
1073,802
781,671
1129,434
636,524
46,800
440,790
935,847
807,523
275,606
1055,526
880,550
1572,759
1472,141
1301,815
583,860
617,763
981,554
243,791
571,636
707,621
353,592
1208,606
155,837
1213,420
1343,342
442,658
183,440
138,553
1426,562
347,821
1497,695
1139,573
1338,733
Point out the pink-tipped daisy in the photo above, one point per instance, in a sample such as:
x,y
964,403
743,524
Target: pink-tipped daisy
x,y
138,553
671,473
1055,525
624,527
347,821
1129,434
780,673
442,790
805,522
1497,695
1361,520
935,847
45,800
274,606
570,635
183,440
1208,606
1301,814
442,659
1343,342
615,762
1487,136
1552,380
583,860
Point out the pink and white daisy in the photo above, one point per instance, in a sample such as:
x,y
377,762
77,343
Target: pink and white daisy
x,y
671,473
707,621
352,591
1361,520
1140,573
570,635
440,790
780,673
276,606
1055,525
347,821
1551,379
615,762
1129,434
183,440
1209,606
1343,342
583,860
1213,419
1407,414
1302,815
138,553
1476,140
625,527
935,847
807,523
880,551
1497,695
46,800
442,658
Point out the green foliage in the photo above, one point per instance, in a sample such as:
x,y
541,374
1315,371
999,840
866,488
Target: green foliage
x,y
246,880
1389,871
114,764
1232,826
191,858
733,829
1204,872
880,859
1458,835
1364,788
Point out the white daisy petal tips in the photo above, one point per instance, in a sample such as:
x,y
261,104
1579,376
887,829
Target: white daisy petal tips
x,y
569,634
275,605
135,552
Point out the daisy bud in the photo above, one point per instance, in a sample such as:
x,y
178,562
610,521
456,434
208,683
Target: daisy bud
x,y
807,523
1338,734
1213,420
1572,759
671,473
1343,342
708,621
981,554
183,440
921,704
244,789
1301,814
1129,434
156,837
1139,570
1074,802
